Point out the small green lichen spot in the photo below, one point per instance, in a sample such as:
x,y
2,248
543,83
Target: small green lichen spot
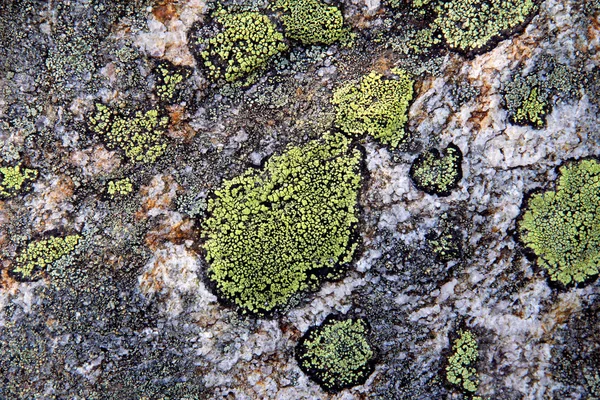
x,y
140,136
532,110
14,179
120,187
337,354
169,78
311,21
562,227
37,255
461,364
436,173
276,232
469,25
246,42
377,106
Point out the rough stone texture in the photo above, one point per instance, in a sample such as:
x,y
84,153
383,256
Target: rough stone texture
x,y
129,314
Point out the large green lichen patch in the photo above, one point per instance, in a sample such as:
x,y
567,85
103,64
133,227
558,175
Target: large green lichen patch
x,y
377,106
140,136
460,370
39,254
470,25
240,44
337,354
436,173
278,231
562,226
311,21
14,180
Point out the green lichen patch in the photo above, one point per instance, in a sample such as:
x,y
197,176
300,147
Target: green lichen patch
x,y
275,232
119,187
237,44
377,106
15,180
472,25
562,226
445,245
34,258
460,370
311,21
337,354
436,173
168,81
140,136
528,98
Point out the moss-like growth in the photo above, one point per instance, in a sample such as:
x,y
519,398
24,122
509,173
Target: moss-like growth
x,y
140,136
562,226
168,79
120,187
471,25
377,106
39,254
460,370
15,180
279,231
337,354
436,173
311,21
244,43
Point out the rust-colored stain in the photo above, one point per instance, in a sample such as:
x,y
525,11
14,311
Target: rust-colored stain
x,y
7,283
480,119
165,10
175,233
383,64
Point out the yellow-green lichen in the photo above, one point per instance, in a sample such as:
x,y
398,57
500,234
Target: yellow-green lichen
x,y
119,187
275,232
311,21
39,254
246,42
532,110
140,136
460,370
469,25
169,78
562,226
337,354
436,173
377,106
15,179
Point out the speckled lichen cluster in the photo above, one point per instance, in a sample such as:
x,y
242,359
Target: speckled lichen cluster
x,y
445,245
470,25
119,187
460,370
39,254
436,173
245,43
337,354
311,21
562,226
168,81
528,98
275,232
377,106
15,179
140,136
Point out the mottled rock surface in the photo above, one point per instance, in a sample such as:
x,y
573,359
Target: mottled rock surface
x,y
130,313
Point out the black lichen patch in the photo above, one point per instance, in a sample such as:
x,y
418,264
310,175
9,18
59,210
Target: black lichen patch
x,y
337,354
435,173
